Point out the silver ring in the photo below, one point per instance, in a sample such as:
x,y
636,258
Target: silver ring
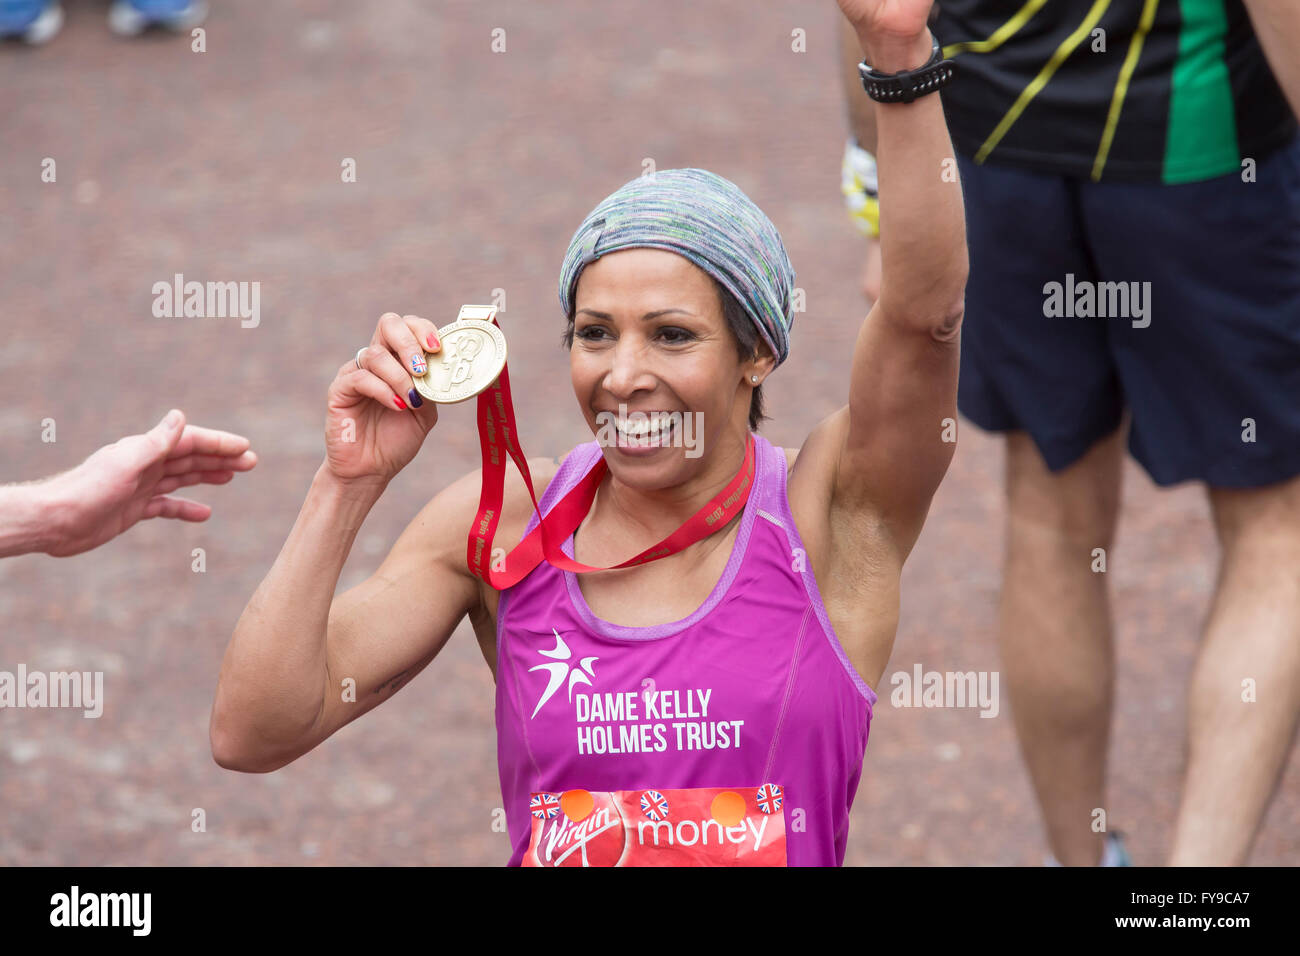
x,y
358,356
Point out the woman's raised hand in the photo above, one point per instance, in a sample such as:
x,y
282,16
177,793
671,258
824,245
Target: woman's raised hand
x,y
375,420
892,33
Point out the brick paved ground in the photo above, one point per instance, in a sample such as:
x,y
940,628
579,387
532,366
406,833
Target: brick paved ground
x,y
473,170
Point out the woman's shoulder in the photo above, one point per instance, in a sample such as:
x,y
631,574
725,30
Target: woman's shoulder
x,y
543,471
516,502
457,505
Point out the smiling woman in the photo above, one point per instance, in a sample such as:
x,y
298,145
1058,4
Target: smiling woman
x,y
746,338
734,606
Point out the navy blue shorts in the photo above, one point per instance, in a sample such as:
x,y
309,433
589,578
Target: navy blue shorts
x,y
1178,303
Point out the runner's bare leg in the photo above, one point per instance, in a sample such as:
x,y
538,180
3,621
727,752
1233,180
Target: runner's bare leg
x,y
1055,632
1237,750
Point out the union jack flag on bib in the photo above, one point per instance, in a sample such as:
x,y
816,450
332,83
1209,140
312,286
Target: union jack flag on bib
x,y
654,805
544,805
769,798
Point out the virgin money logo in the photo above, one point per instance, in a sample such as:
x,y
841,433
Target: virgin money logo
x,y
598,840
675,833
560,668
658,828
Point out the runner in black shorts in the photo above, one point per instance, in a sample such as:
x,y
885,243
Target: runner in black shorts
x,y
1131,173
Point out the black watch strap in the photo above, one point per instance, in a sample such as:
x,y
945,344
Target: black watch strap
x,y
909,84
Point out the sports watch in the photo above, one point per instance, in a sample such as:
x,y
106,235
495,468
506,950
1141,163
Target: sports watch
x,y
907,85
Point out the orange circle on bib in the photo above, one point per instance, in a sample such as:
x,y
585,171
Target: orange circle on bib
x,y
577,804
728,808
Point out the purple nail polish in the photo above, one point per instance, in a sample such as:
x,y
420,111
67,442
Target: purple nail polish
x,y
415,399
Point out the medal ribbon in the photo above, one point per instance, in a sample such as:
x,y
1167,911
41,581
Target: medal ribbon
x,y
496,428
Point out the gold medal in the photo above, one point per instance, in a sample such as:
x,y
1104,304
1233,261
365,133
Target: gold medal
x,y
472,356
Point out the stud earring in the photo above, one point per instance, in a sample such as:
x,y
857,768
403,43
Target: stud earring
x,y
753,378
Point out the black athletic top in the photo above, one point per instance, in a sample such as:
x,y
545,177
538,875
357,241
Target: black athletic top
x,y
1169,91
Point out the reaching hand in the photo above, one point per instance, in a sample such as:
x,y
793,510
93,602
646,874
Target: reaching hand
x,y
130,480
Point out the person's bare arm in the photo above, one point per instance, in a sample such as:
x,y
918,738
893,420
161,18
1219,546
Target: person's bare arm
x,y
303,663
1277,26
275,696
119,485
903,382
26,519
859,107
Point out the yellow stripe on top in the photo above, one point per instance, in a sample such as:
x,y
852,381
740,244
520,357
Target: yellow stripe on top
x,y
998,36
1044,75
1121,86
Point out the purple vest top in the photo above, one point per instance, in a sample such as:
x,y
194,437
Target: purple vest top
x,y
752,688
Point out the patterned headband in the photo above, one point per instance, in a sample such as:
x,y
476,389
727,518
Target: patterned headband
x,y
706,219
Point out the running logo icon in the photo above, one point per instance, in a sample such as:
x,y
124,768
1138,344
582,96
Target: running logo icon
x,y
561,669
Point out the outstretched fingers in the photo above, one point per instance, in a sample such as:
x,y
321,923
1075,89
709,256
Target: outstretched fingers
x,y
196,440
172,482
163,506
188,463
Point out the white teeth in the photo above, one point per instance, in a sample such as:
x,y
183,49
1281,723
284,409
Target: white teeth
x,y
633,429
638,429
652,426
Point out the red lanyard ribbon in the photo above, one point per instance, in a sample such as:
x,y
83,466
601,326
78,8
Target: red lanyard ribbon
x,y
496,427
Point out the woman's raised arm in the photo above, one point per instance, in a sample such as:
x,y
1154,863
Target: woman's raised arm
x,y
901,427
281,689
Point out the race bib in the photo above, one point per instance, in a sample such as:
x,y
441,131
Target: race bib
x,y
698,827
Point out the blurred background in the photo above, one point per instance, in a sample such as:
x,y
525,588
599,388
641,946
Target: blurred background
x,y
472,170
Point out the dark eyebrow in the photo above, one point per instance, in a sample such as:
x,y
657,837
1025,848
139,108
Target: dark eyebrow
x,y
648,315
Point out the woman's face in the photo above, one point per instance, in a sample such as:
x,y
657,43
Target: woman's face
x,y
649,336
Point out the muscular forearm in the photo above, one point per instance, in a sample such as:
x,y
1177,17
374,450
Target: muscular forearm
x,y
274,676
27,519
1277,25
922,223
